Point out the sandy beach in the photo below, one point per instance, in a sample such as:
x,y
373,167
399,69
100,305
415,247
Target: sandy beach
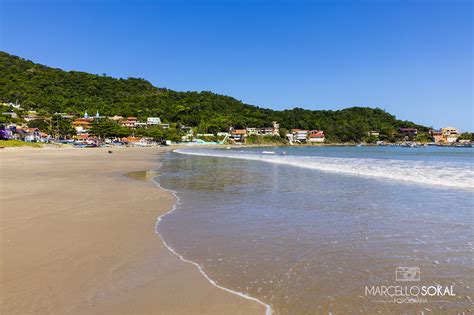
x,y
77,237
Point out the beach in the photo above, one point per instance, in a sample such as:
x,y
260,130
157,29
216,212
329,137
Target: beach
x,y
78,237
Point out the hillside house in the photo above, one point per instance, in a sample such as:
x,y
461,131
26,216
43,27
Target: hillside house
x,y
408,131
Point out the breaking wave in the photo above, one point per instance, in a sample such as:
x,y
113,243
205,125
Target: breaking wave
x,y
433,173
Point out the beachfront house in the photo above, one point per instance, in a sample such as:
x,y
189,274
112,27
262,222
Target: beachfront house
x,y
32,135
450,134
445,135
316,136
258,131
437,136
238,134
299,135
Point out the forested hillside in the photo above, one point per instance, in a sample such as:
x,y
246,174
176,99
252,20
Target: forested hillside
x,y
42,88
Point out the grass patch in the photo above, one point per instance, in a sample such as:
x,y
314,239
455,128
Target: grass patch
x,y
18,143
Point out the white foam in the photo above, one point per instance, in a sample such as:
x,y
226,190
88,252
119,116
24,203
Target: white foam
x,y
433,173
268,309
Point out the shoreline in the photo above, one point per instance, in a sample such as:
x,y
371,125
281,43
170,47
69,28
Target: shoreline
x,y
268,309
150,175
97,251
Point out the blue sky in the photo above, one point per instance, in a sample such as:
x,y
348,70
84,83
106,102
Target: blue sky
x,y
413,58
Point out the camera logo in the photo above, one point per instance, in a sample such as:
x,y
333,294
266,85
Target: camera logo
x,y
407,274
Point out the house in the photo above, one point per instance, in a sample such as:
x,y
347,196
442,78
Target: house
x,y
316,136
32,115
267,131
437,136
257,131
81,124
276,128
252,131
130,122
153,121
238,134
116,118
450,134
299,135
445,135
373,133
408,131
32,135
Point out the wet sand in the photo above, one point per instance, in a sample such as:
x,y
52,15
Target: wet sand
x,y
77,237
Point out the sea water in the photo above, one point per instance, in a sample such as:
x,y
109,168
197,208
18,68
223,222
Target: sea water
x,y
312,230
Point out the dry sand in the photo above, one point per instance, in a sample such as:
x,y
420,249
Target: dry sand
x,y
77,237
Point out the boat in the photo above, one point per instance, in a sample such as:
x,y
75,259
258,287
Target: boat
x,y
268,152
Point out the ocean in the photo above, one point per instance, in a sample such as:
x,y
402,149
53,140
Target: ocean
x,y
328,230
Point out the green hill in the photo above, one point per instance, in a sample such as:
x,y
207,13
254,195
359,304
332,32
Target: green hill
x,y
42,88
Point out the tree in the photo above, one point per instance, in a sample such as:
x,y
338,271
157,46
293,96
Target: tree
x,y
106,128
172,134
283,133
423,137
61,127
466,136
41,124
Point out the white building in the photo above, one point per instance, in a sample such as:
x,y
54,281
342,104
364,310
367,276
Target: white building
x,y
153,121
276,128
252,131
299,135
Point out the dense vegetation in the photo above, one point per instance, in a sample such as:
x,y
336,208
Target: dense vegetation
x,y
49,90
